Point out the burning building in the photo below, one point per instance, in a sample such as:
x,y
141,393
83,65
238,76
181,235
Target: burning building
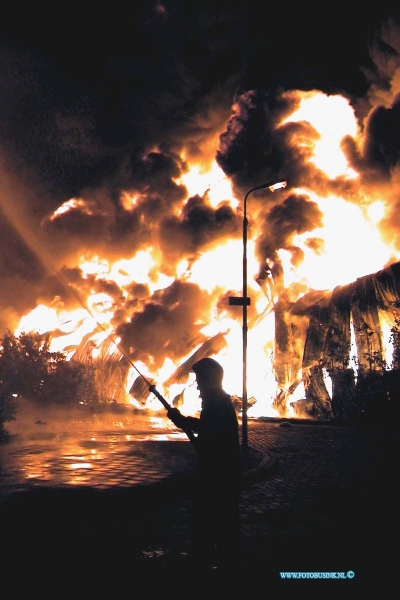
x,y
335,354
122,219
336,346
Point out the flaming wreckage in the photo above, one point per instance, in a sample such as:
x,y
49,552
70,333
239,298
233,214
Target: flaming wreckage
x,y
332,342
325,332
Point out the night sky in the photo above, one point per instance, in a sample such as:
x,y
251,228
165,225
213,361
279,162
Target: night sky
x,y
95,106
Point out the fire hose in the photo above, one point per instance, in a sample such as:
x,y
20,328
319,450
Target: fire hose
x,y
152,388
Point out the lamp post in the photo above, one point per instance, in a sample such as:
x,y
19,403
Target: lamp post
x,y
245,301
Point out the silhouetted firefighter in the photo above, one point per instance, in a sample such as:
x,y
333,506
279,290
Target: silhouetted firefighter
x,y
216,520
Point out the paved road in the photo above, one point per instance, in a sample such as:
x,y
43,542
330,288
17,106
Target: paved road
x,y
327,503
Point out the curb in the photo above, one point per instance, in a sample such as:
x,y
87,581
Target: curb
x,y
257,466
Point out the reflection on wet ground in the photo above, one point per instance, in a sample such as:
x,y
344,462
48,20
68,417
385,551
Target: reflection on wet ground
x,y
73,448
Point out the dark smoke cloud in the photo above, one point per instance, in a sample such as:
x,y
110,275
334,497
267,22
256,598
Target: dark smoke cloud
x,y
199,227
98,125
166,327
249,150
296,215
382,139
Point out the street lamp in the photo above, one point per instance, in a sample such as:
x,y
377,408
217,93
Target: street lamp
x,y
245,301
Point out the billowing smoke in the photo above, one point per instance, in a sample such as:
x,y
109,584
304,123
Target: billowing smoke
x,y
95,144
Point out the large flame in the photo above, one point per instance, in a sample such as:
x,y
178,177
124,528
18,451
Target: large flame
x,y
347,245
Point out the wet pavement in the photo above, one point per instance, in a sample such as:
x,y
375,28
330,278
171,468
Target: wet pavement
x,y
104,504
71,449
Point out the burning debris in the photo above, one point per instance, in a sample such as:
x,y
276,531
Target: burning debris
x,y
350,324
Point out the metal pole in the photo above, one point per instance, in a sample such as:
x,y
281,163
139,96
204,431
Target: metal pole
x,y
272,186
244,393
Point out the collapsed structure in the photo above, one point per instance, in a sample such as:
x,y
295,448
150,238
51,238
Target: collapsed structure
x,y
339,334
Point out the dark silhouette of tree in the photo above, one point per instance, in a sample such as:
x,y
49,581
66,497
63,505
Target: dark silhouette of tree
x,y
7,411
29,370
395,339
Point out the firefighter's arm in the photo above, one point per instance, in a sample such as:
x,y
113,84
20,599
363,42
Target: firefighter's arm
x,y
182,422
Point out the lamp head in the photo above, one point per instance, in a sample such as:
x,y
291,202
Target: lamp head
x,y
277,185
272,186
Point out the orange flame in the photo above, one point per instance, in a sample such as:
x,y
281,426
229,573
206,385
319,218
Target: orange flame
x,y
347,245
